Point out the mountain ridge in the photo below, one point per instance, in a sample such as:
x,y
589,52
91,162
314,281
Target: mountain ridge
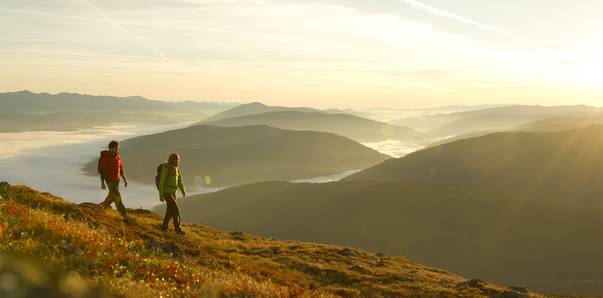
x,y
354,127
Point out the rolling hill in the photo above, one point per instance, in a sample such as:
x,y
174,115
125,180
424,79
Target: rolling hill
x,y
354,127
513,207
251,109
567,161
133,258
238,155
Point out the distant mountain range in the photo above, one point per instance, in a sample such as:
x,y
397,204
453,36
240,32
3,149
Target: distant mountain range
x,y
516,208
29,102
563,123
27,111
492,119
347,125
237,155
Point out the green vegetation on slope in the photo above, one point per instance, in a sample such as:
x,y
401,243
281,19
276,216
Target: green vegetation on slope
x,y
135,259
350,126
238,155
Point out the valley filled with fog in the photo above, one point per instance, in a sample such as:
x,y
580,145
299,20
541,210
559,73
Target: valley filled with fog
x,y
53,161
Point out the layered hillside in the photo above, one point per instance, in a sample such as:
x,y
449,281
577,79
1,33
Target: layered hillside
x,y
515,208
226,156
134,258
569,162
350,126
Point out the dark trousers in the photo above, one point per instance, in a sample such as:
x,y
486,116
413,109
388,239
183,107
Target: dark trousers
x,y
114,197
172,212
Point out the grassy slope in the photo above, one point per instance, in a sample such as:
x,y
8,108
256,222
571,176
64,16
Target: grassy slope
x,y
238,155
350,126
135,258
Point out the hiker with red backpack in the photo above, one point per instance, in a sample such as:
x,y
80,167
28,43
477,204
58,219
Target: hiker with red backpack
x,y
168,181
111,170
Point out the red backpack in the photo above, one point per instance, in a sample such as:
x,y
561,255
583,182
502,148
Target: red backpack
x,y
109,165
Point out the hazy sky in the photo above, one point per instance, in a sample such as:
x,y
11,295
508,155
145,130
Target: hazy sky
x,y
325,53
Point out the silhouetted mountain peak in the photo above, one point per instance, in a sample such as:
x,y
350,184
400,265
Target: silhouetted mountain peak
x,y
253,104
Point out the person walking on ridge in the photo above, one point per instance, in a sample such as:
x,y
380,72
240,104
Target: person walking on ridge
x,y
111,170
170,180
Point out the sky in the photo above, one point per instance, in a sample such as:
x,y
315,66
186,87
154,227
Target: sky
x,y
322,53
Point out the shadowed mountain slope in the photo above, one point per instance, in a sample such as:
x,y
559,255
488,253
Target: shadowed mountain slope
x,y
549,247
544,162
516,208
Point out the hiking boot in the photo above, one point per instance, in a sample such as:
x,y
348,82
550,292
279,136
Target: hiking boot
x,y
163,228
181,232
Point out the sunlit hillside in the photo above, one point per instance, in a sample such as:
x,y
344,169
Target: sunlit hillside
x,y
135,259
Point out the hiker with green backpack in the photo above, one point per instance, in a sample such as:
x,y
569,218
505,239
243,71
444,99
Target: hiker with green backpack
x,y
168,181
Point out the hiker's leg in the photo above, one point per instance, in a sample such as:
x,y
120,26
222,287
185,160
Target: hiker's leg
x,y
168,212
106,204
173,210
119,204
112,186
176,217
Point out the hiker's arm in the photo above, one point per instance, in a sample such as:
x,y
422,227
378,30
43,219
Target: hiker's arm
x,y
123,174
181,184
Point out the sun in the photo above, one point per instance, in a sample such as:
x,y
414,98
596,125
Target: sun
x,y
589,64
